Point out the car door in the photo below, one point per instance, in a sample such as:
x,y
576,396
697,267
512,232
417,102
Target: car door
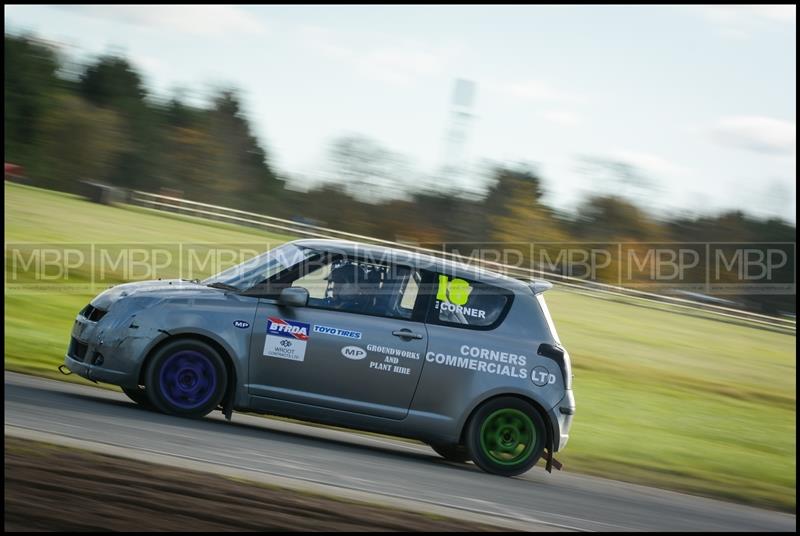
x,y
367,361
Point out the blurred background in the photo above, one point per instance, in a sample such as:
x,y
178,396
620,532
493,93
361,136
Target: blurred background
x,y
432,124
439,126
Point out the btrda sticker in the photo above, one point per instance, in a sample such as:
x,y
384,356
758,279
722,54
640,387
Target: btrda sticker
x,y
286,339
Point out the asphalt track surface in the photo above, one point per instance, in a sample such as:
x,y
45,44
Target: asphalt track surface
x,y
372,466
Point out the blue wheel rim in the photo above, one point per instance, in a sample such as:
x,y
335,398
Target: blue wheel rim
x,y
188,379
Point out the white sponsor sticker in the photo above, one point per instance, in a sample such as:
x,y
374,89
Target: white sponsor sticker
x,y
354,352
466,311
483,360
540,377
328,330
286,339
390,367
389,351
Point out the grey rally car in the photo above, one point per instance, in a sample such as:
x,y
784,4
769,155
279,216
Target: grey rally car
x,y
342,333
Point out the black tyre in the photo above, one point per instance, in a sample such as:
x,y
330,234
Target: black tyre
x,y
139,396
506,436
453,453
186,377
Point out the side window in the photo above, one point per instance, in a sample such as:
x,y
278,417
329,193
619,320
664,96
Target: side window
x,y
355,286
315,282
469,304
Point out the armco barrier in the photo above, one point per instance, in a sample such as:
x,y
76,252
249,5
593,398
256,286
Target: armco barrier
x,y
195,208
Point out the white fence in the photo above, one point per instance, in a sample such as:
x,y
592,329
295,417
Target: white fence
x,y
194,208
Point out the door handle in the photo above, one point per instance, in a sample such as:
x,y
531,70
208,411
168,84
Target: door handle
x,y
406,334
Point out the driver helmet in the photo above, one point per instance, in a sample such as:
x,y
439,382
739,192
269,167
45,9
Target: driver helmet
x,y
346,273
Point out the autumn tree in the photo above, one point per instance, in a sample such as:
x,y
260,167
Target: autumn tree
x,y
80,141
241,166
30,85
515,210
113,83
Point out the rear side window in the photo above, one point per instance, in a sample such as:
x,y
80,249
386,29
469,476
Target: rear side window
x,y
468,304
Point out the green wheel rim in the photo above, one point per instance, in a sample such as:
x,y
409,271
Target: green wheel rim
x,y
508,436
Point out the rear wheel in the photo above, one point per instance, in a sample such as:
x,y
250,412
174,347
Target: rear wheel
x,y
139,396
186,378
453,453
506,436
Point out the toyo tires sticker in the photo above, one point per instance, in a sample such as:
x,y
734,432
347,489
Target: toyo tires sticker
x,y
339,332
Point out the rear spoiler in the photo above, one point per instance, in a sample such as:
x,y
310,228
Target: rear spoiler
x,y
540,285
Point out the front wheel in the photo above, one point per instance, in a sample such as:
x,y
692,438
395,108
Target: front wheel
x,y
506,436
186,378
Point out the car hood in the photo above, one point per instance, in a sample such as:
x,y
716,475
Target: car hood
x,y
157,289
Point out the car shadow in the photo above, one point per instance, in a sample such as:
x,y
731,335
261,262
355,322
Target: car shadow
x,y
263,429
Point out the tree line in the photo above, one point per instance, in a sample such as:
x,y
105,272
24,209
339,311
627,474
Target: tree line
x,y
66,122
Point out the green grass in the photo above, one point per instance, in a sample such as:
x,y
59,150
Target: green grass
x,y
680,402
664,398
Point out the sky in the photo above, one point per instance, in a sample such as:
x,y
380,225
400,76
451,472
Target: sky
x,y
700,99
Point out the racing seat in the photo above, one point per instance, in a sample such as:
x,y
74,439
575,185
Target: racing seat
x,y
373,292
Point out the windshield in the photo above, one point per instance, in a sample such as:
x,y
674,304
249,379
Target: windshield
x,y
251,272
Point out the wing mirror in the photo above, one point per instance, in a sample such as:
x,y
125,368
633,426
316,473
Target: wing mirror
x,y
294,297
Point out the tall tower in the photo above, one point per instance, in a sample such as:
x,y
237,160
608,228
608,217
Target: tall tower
x,y
454,166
